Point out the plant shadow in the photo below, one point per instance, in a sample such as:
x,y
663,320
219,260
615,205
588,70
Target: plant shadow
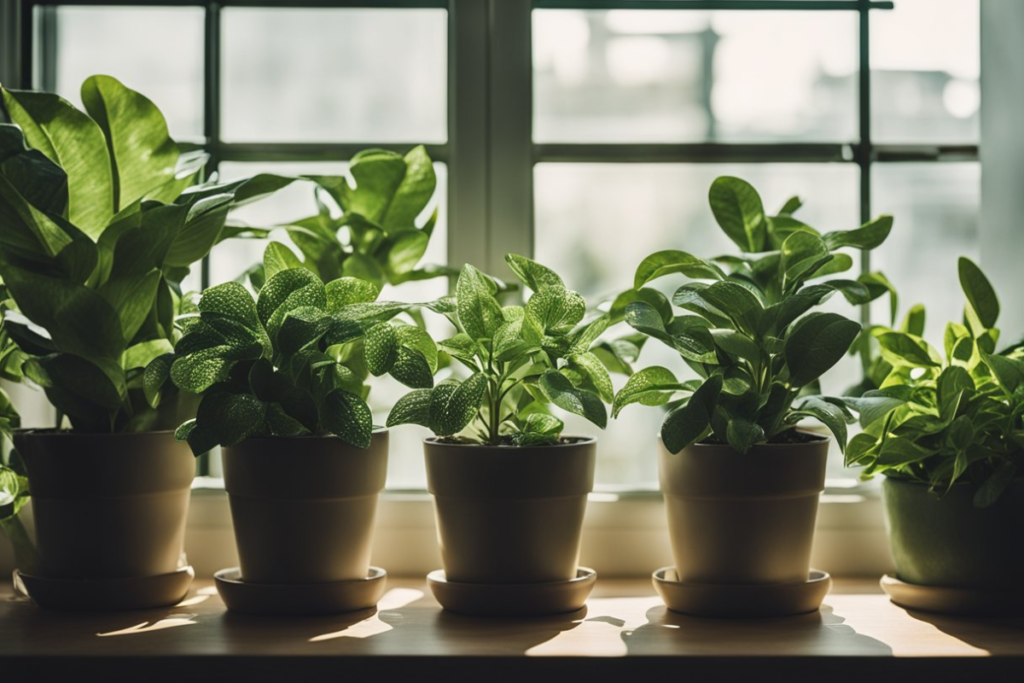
x,y
995,635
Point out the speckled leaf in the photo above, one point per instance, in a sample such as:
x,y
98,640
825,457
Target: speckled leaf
x,y
295,287
479,312
154,377
413,408
347,416
652,386
302,327
349,290
381,348
230,298
417,339
689,422
560,391
453,405
558,310
532,274
412,369
226,419
590,366
278,257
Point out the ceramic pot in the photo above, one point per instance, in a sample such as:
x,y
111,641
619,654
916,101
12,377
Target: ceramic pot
x,y
947,541
743,518
303,507
510,514
107,506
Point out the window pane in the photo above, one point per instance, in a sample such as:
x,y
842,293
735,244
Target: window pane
x,y
232,258
596,222
925,65
157,51
304,75
694,76
936,209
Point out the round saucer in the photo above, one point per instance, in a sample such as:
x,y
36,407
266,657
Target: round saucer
x,y
299,599
741,600
111,595
513,599
958,601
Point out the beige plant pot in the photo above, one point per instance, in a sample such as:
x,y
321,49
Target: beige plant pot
x,y
510,514
303,507
743,519
107,506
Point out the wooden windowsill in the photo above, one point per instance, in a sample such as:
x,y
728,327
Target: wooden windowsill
x,y
624,632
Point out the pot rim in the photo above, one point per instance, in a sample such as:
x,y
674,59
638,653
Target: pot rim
x,y
307,437
817,439
960,484
67,433
580,441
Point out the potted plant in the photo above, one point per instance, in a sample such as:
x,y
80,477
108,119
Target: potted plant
x,y
509,489
947,432
367,229
741,480
282,380
102,218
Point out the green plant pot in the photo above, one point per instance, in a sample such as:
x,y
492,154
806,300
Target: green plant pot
x,y
947,541
107,506
303,507
508,514
743,518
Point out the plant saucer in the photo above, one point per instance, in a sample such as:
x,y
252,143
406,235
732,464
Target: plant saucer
x,y
513,599
108,595
958,601
741,600
299,599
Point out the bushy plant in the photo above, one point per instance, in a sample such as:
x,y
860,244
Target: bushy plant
x,y
293,361
101,217
747,328
943,418
523,360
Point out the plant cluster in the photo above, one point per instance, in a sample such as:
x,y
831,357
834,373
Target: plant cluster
x,y
748,329
292,361
523,360
102,218
942,419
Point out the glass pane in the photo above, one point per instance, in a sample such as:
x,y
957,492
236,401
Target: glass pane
x,y
304,75
925,66
232,258
694,76
157,51
585,213
936,209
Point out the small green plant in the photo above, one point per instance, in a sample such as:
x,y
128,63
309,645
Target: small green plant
x,y
940,420
747,329
293,361
101,218
375,237
523,360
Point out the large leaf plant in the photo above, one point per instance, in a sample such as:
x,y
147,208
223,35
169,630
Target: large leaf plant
x,y
101,217
523,362
293,361
747,327
941,418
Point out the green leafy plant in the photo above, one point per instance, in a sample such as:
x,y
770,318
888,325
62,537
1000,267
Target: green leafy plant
x,y
293,361
942,419
102,218
523,361
748,329
371,231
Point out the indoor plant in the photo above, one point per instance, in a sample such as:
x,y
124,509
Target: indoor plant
x,y
102,219
741,482
283,384
509,490
947,431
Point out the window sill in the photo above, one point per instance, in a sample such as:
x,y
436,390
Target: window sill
x,y
623,633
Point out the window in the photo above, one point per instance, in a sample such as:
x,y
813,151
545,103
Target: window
x,y
557,126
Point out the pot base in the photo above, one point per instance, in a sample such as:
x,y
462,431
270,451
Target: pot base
x,y
741,600
957,601
513,599
107,595
299,599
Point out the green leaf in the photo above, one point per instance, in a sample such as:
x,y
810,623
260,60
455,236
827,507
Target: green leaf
x,y
404,251
348,417
417,339
873,406
287,290
381,349
560,391
913,322
349,290
980,294
816,343
278,257
651,386
803,255
143,155
412,369
155,376
225,419
479,312
897,452
743,434
413,408
737,208
829,414
73,141
878,285
231,299
656,299
688,423
591,367
868,236
900,348
453,405
532,274
1009,371
558,310
664,263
